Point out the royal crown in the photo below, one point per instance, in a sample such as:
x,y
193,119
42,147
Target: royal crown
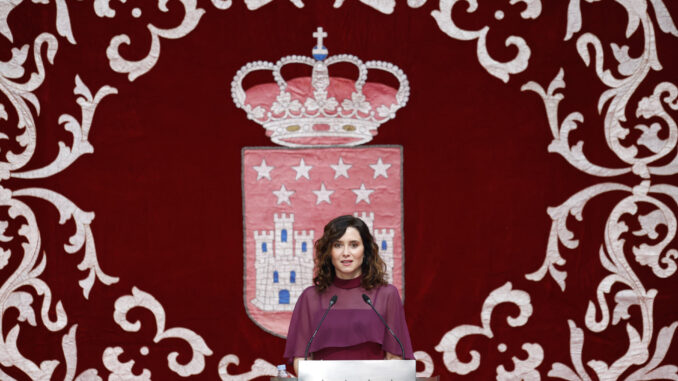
x,y
320,110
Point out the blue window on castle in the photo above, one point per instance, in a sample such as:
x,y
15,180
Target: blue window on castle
x,y
275,277
293,276
284,297
263,247
384,246
283,235
303,247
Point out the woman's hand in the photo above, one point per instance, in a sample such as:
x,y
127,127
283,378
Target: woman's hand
x,y
296,365
391,356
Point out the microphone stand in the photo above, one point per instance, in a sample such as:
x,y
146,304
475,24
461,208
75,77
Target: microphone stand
x,y
308,346
369,302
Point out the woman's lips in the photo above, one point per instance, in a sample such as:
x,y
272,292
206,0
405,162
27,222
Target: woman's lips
x,y
346,262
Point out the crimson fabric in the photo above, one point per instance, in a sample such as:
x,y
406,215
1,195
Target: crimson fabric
x,y
539,196
349,325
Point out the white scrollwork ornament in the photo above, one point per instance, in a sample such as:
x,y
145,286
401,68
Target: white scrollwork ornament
x,y
524,370
651,255
222,4
122,371
614,101
383,6
559,370
561,234
561,130
574,18
21,97
26,275
83,235
71,355
256,4
633,72
613,259
416,3
134,69
501,70
648,107
5,10
657,256
20,94
4,254
651,107
4,257
103,9
63,20
199,348
259,368
425,359
648,255
504,294
651,371
31,263
79,131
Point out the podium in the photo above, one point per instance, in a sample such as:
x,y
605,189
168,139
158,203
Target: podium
x,y
358,370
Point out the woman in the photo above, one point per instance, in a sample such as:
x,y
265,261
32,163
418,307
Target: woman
x,y
348,265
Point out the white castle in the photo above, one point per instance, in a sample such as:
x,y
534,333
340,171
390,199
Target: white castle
x,y
284,261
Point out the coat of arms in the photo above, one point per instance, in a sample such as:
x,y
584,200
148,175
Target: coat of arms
x,y
290,193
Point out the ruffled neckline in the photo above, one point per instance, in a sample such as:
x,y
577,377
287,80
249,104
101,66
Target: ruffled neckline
x,y
347,283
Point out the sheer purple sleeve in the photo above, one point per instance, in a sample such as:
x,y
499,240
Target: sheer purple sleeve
x,y
301,325
394,314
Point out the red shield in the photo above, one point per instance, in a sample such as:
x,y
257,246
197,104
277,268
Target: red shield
x,y
288,197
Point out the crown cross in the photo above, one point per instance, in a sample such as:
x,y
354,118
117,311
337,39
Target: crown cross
x,y
319,34
319,51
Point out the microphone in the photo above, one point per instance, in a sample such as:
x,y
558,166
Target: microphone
x,y
369,301
308,346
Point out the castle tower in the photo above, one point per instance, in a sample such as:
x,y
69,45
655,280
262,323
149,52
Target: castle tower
x,y
284,228
304,252
384,239
368,219
263,243
284,264
303,243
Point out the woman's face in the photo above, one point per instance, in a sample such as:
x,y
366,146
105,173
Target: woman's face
x,y
347,254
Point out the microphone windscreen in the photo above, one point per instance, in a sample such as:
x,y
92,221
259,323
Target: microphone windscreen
x,y
333,300
367,299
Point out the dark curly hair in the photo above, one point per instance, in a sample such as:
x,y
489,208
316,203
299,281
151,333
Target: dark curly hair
x,y
373,268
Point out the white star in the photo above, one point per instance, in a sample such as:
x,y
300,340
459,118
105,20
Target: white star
x,y
341,169
263,170
323,194
380,168
302,170
362,194
283,195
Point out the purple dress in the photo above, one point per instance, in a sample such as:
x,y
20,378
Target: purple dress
x,y
351,330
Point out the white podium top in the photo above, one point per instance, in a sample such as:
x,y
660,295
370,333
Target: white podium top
x,y
359,370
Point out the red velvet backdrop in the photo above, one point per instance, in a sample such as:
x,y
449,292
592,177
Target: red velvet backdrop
x,y
494,187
